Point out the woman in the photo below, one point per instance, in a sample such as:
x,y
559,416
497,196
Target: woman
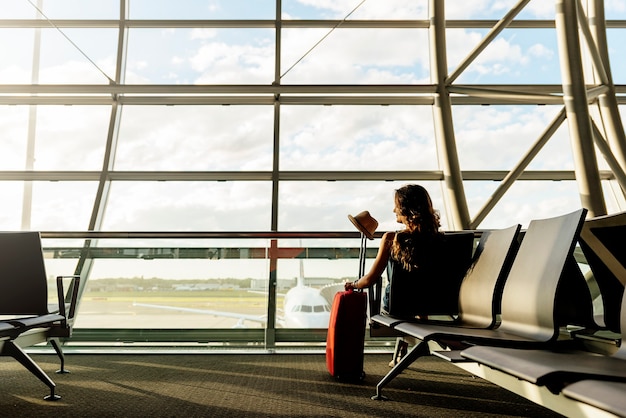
x,y
405,250
411,246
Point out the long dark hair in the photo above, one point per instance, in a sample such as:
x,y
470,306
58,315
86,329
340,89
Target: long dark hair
x,y
414,203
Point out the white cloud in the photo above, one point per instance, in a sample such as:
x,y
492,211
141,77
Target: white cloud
x,y
203,33
501,53
223,63
497,9
511,55
462,9
496,137
355,56
542,9
541,51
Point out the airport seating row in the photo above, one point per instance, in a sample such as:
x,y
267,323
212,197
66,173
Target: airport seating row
x,y
527,320
26,318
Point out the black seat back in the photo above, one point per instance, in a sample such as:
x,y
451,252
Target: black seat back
x,y
23,285
602,242
434,288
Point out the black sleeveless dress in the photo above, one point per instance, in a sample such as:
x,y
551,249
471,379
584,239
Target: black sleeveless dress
x,y
427,289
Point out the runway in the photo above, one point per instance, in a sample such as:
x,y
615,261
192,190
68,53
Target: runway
x,y
112,313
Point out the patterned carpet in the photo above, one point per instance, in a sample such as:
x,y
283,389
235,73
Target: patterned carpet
x,y
242,385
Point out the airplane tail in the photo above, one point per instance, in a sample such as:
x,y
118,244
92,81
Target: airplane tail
x,y
300,281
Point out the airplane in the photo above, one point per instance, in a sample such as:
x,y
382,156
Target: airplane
x,y
303,307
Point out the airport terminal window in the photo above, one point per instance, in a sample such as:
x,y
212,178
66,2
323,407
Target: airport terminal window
x,y
71,137
617,54
172,284
62,62
536,9
60,206
371,62
18,71
188,206
511,58
192,9
52,205
225,137
158,302
237,138
59,61
529,199
296,9
302,209
73,9
367,138
512,131
210,56
11,213
14,122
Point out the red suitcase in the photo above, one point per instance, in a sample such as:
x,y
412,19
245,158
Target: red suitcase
x,y
346,335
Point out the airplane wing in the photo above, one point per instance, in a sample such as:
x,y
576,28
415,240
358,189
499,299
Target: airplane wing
x,y
329,291
255,318
264,292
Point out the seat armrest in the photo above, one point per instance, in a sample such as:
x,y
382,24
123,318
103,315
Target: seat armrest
x,y
374,293
73,292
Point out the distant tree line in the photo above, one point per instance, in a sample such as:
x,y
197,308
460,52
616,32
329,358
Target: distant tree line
x,y
155,282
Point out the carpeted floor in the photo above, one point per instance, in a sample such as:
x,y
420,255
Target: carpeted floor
x,y
242,385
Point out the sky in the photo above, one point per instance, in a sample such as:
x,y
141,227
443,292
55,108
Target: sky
x,y
172,138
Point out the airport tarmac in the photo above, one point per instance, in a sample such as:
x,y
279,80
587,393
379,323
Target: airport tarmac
x,y
111,313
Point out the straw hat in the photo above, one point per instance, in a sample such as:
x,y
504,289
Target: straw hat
x,y
365,223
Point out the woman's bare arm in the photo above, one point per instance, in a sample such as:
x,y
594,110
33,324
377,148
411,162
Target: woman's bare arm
x,y
380,263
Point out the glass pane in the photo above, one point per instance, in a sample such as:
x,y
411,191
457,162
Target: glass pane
x,y
614,10
325,206
16,48
516,56
71,137
188,206
492,9
78,56
525,201
80,9
200,56
57,266
497,137
331,138
355,56
13,137
60,9
54,206
67,55
617,54
396,9
62,206
11,213
17,9
188,138
193,9
204,285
